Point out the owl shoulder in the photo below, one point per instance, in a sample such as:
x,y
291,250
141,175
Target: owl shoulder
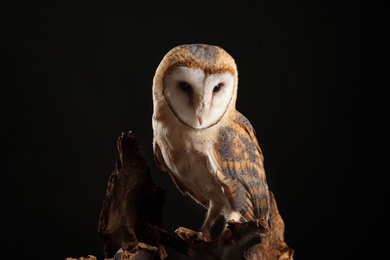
x,y
244,124
241,119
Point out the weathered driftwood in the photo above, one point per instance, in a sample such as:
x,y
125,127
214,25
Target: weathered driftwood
x,y
132,203
130,225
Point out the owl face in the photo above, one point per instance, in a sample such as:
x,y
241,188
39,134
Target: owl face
x,y
198,99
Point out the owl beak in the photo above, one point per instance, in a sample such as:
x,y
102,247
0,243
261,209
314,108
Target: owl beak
x,y
200,112
200,120
199,116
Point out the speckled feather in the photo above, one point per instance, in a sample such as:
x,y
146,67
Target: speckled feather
x,y
241,160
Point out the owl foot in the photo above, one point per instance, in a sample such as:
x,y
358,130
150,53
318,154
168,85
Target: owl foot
x,y
204,236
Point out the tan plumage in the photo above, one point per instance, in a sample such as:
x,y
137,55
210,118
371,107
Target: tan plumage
x,y
208,148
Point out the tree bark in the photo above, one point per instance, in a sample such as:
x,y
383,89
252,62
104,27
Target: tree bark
x,y
131,226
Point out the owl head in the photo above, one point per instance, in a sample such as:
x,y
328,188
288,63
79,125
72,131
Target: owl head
x,y
198,83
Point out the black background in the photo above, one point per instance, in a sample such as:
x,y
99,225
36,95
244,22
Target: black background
x,y
77,75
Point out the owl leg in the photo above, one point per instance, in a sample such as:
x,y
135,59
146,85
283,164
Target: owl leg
x,y
226,233
212,215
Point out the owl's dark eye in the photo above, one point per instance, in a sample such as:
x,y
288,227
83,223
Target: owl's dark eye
x,y
185,87
217,87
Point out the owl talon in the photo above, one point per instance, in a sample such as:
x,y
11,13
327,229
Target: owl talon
x,y
203,237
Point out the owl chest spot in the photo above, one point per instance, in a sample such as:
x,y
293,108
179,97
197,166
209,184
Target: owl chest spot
x,y
193,172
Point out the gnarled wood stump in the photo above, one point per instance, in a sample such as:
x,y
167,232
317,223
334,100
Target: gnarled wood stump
x,y
131,226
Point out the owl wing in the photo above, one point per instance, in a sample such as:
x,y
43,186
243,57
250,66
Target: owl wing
x,y
179,185
237,162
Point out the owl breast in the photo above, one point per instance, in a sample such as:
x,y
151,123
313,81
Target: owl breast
x,y
185,155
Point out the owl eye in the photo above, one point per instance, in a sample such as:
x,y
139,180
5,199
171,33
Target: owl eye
x,y
185,87
217,87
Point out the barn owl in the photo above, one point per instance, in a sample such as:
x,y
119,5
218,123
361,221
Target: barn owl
x,y
208,148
